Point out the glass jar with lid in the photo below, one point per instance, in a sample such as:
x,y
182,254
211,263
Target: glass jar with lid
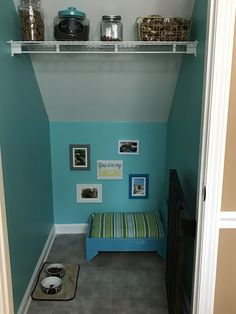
x,y
71,24
32,20
111,28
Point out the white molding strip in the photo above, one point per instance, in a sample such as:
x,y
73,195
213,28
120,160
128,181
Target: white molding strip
x,y
25,303
227,220
71,228
6,294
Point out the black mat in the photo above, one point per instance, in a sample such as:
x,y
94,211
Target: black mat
x,y
69,284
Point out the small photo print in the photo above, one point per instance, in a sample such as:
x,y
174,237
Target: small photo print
x,y
89,193
128,147
138,185
79,157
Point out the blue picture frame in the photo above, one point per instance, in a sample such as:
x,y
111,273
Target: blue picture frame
x,y
138,186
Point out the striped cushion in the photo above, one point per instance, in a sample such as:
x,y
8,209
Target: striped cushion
x,y
127,225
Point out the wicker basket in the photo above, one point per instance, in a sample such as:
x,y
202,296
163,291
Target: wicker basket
x,y
158,28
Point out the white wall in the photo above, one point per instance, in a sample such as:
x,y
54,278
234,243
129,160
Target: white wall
x,y
101,88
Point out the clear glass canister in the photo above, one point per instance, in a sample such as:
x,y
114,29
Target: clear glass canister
x,y
32,20
111,28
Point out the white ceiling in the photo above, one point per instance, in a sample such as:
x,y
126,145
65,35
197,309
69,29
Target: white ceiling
x,y
109,87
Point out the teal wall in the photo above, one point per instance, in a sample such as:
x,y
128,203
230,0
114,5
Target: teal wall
x,y
184,123
25,146
103,138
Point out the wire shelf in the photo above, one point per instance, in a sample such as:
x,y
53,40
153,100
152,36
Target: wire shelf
x,y
86,47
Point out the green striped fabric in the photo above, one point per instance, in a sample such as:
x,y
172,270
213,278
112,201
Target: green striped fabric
x,y
127,225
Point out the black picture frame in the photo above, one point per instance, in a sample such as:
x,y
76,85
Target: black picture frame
x,y
79,156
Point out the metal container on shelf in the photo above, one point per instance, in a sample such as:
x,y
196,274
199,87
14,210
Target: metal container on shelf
x,y
71,24
32,20
111,28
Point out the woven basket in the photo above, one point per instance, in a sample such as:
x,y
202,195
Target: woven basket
x,y
158,28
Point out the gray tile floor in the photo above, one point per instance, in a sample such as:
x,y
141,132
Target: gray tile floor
x,y
112,283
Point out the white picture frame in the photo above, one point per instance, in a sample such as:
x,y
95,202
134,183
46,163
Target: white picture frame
x,y
128,147
89,193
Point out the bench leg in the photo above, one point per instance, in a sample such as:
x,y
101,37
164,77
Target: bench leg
x,y
91,251
90,254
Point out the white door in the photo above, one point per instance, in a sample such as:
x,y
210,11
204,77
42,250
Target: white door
x,y
220,31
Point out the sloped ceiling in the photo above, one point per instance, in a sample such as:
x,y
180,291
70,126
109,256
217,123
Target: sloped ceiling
x,y
109,87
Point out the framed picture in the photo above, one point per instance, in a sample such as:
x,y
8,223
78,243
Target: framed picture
x,y
89,193
138,185
80,157
128,147
110,169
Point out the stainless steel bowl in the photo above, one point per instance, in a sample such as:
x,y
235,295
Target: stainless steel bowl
x,y
55,269
51,285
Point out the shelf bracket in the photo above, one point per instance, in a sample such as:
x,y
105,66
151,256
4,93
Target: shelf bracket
x,y
174,48
15,48
192,49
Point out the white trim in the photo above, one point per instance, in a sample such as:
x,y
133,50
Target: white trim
x,y
71,228
227,220
216,97
25,303
6,295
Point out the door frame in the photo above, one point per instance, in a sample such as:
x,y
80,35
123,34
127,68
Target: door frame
x,y
6,295
217,76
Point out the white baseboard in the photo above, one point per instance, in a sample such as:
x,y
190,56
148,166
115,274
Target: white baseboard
x,y
71,228
27,296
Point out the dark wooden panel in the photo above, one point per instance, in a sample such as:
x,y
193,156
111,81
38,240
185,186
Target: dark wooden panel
x,y
179,227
